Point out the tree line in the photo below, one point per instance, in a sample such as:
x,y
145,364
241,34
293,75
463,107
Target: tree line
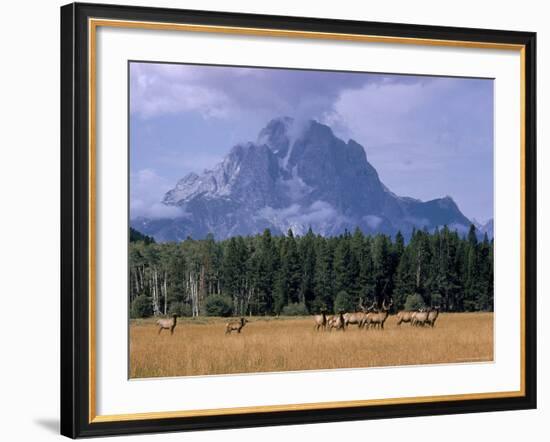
x,y
290,275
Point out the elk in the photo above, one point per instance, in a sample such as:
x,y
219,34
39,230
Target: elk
x,y
235,326
377,319
338,322
330,320
420,318
405,316
432,316
320,321
357,318
167,324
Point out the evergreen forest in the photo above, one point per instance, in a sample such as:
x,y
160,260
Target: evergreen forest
x,y
266,274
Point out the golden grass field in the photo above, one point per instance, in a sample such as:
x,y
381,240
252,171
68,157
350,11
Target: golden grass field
x,y
200,347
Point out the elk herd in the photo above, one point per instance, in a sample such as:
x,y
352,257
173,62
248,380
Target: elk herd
x,y
368,317
421,317
374,317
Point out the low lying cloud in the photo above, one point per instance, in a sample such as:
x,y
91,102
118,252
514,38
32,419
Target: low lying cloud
x,y
157,210
373,221
146,191
318,216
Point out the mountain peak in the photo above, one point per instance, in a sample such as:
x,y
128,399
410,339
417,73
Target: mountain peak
x,y
297,174
276,135
448,202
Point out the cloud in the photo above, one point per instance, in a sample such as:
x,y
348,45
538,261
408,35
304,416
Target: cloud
x,y
164,89
146,191
426,136
223,92
153,210
319,215
373,221
316,213
194,161
440,115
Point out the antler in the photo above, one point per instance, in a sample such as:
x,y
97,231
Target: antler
x,y
361,306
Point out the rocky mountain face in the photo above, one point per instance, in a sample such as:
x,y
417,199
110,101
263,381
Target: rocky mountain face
x,y
294,176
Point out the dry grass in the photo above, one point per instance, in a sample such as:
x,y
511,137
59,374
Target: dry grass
x,y
200,347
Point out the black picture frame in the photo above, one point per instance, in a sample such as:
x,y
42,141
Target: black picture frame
x,y
75,220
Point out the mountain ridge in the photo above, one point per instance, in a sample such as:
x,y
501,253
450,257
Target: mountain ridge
x,y
294,176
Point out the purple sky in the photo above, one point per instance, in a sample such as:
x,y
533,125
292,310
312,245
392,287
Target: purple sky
x,y
426,136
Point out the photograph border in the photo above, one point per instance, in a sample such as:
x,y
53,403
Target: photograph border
x,y
79,23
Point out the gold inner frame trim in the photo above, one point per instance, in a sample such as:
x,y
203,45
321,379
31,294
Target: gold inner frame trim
x,y
298,34
294,407
93,24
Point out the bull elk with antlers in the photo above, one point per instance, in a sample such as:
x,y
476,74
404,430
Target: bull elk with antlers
x,y
377,319
358,318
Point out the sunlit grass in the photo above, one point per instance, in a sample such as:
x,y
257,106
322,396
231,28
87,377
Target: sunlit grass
x,y
200,346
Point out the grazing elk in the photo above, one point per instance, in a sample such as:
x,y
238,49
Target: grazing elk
x,y
433,313
405,316
377,319
235,326
357,318
420,318
167,324
320,321
338,322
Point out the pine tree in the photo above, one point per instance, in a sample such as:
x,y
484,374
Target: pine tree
x,y
399,246
357,254
473,286
324,281
421,260
307,259
343,276
266,273
472,236
366,273
382,265
404,280
484,301
289,275
294,268
234,273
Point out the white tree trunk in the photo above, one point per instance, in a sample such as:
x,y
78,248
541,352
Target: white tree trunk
x,y
156,306
165,293
193,294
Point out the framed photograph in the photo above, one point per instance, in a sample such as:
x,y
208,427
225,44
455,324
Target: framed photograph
x,y
273,220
